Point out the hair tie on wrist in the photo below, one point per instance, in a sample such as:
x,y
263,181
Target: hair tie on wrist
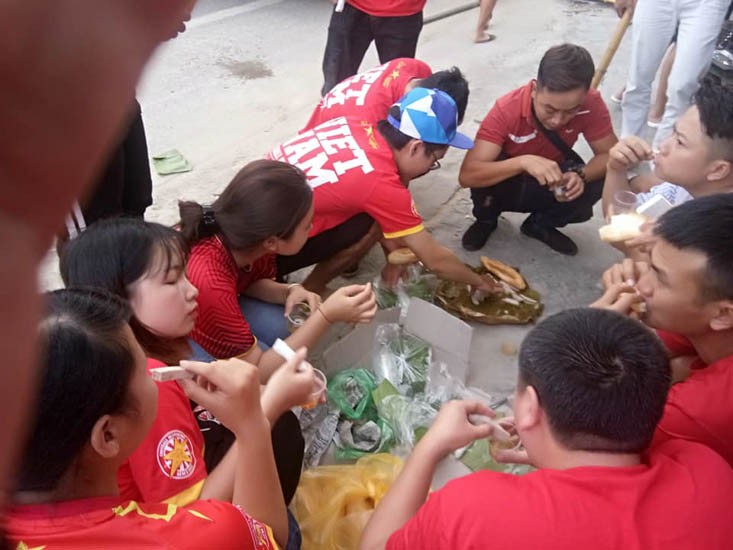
x,y
208,216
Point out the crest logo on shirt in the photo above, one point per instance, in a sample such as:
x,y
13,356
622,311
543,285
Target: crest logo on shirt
x,y
175,455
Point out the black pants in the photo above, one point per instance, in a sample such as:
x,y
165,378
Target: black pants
x,y
523,193
288,446
125,188
351,31
327,244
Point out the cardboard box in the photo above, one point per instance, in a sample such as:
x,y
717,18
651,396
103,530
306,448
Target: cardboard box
x,y
449,337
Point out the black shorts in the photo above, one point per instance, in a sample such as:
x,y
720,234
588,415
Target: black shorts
x,y
327,244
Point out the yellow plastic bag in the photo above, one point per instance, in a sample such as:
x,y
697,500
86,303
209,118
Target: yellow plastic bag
x,y
333,503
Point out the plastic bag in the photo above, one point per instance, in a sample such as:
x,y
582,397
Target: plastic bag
x,y
416,284
409,417
351,391
402,359
333,503
357,439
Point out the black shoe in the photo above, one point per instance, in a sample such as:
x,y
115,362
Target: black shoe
x,y
550,236
476,236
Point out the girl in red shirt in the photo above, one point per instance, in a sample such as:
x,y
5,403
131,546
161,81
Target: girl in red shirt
x,y
96,404
267,209
145,263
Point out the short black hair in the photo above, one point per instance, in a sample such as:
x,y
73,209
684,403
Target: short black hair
x,y
564,68
453,83
86,369
601,378
705,225
714,101
397,139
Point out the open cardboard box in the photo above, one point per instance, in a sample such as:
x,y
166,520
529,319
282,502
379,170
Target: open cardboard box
x,y
449,337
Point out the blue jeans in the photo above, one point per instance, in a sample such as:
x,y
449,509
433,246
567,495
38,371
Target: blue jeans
x,y
266,321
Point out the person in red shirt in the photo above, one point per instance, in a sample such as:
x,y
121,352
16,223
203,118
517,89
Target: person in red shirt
x,y
96,385
393,25
687,290
145,264
590,390
369,95
267,209
523,159
359,172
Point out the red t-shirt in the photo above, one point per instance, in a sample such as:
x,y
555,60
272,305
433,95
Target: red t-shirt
x,y
700,408
351,169
220,327
168,466
678,499
369,95
510,125
110,522
388,8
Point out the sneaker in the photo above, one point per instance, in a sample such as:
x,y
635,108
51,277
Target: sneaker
x,y
550,236
476,236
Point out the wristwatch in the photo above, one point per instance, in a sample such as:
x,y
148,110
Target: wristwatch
x,y
581,172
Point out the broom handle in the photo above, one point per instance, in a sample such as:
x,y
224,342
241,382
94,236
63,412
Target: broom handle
x,y
613,45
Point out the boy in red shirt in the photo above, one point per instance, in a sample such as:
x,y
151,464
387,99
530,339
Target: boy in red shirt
x,y
360,172
591,388
369,95
523,159
688,293
393,25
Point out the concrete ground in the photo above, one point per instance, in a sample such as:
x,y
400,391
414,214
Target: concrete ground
x,y
246,75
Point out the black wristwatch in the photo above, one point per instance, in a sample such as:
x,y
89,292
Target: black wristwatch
x,y
581,172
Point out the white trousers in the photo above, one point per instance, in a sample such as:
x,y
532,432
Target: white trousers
x,y
654,23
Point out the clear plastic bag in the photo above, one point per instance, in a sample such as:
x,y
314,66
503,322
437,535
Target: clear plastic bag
x,y
402,359
409,417
334,503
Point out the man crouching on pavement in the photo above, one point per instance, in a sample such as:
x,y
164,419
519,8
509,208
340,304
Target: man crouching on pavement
x,y
523,159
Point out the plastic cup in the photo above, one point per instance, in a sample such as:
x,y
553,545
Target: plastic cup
x,y
298,315
561,193
624,202
511,444
319,390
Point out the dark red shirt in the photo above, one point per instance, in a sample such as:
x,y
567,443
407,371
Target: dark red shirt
x,y
510,125
220,327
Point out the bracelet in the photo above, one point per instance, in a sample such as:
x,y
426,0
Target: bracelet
x,y
320,310
291,285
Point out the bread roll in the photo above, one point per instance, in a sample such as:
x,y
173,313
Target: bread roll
x,y
504,272
402,256
622,228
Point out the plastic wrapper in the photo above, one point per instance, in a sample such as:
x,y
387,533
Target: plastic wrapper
x,y
402,359
334,503
410,418
416,284
356,439
351,391
510,307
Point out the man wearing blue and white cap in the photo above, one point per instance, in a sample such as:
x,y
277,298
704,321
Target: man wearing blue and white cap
x,y
359,172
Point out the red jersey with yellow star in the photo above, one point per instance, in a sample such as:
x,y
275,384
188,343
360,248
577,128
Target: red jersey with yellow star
x,y
110,523
369,95
168,466
351,170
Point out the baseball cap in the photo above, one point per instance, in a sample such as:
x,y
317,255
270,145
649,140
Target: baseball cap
x,y
432,116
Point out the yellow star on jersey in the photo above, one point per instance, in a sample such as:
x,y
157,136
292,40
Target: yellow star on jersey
x,y
23,546
177,455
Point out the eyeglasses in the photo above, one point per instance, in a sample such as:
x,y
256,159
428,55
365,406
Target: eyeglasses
x,y
436,163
